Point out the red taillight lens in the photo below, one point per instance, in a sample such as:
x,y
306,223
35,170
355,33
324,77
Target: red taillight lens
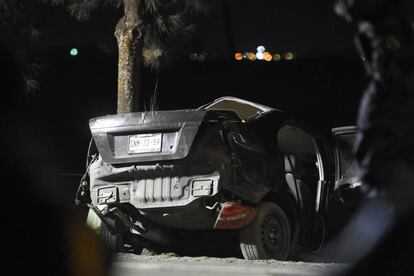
x,y
233,216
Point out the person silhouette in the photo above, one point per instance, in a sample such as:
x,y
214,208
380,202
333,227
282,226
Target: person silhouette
x,y
379,238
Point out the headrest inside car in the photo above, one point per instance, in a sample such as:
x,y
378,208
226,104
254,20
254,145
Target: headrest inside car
x,y
290,163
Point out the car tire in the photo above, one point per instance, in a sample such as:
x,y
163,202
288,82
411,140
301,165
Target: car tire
x,y
268,236
114,242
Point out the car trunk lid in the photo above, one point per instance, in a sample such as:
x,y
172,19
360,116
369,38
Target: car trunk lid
x,y
146,136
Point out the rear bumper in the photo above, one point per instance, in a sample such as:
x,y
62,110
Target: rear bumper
x,y
157,189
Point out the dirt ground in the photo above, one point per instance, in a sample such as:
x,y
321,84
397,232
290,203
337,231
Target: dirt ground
x,y
150,264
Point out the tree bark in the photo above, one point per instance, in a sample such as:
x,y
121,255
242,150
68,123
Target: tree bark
x,y
129,36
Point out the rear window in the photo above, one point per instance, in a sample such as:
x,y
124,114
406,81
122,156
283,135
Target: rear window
x,y
244,109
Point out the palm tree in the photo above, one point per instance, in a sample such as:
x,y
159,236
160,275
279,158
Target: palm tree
x,y
144,36
18,38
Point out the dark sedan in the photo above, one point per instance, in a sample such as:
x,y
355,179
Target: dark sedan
x,y
230,165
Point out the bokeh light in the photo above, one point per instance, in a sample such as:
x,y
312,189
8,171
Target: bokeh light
x,y
251,56
202,57
277,57
74,52
261,54
238,56
261,49
289,56
193,56
267,56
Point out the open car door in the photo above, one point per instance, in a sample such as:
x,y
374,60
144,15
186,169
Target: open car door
x,y
347,184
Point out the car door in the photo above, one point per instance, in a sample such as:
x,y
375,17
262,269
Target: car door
x,y
347,186
306,164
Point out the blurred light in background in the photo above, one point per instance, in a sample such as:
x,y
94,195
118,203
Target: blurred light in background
x,y
251,56
267,56
261,49
202,57
193,56
277,57
198,56
74,52
238,56
289,56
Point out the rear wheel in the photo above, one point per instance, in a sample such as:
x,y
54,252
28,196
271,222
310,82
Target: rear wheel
x,y
268,236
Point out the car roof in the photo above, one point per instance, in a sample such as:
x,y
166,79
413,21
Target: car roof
x,y
243,108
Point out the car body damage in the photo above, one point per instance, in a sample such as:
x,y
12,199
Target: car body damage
x,y
221,166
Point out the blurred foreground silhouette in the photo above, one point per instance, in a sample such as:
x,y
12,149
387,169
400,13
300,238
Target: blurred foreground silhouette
x,y
379,240
42,234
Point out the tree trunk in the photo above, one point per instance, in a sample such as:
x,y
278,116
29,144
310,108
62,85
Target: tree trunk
x,y
130,39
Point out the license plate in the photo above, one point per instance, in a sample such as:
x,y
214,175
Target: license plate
x,y
141,143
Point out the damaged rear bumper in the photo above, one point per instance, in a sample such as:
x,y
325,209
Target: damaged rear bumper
x,y
155,188
164,194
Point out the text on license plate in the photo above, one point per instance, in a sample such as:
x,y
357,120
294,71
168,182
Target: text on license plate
x,y
141,143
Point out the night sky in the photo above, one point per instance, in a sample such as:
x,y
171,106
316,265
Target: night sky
x,y
307,28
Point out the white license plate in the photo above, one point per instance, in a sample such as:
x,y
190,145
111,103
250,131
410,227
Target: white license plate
x,y
141,143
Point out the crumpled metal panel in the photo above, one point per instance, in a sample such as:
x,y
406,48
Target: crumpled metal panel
x,y
155,189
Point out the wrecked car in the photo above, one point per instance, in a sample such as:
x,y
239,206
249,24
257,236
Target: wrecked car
x,y
230,165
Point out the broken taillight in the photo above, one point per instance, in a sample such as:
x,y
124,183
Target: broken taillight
x,y
234,216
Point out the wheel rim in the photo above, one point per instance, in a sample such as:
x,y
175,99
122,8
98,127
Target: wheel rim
x,y
272,236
